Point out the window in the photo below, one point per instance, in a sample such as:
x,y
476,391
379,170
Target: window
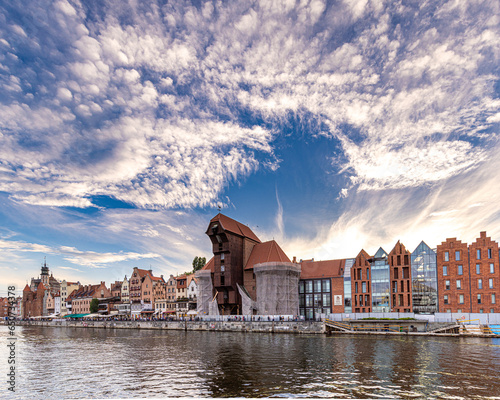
x,y
492,268
481,310
446,256
445,270
309,300
460,299
317,286
326,300
457,255
479,283
222,268
459,284
222,257
478,299
489,253
445,299
447,285
363,287
356,287
490,283
360,274
478,254
460,270
309,286
367,274
478,269
326,285
301,287
493,298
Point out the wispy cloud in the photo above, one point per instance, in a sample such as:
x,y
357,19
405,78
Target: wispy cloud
x,y
165,105
73,255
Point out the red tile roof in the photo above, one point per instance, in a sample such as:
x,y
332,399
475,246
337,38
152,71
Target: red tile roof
x,y
41,286
26,288
233,226
209,266
266,252
143,272
322,269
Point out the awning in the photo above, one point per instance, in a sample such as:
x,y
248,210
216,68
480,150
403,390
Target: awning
x,y
192,312
75,315
92,315
147,311
169,312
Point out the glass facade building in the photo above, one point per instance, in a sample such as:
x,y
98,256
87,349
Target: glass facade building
x,y
380,282
424,279
347,285
315,297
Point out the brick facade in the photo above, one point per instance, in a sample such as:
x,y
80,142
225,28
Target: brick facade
x,y
400,275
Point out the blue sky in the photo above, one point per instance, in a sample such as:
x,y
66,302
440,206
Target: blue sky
x,y
328,126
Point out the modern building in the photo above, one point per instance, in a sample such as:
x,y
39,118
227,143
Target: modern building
x,y
321,288
424,280
380,282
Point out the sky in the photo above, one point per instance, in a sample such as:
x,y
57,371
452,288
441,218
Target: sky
x,y
329,126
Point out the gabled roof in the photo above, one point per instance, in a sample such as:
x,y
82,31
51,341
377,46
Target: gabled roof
x,y
266,252
143,272
209,266
41,286
399,248
26,288
230,225
190,278
322,269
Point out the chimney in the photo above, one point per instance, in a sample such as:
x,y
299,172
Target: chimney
x,y
151,272
294,260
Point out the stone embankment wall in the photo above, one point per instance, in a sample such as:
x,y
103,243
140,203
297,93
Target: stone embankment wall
x,y
233,326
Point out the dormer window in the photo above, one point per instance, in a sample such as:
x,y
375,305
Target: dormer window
x,y
214,229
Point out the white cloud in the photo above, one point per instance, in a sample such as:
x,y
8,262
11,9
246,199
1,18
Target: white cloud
x,y
150,112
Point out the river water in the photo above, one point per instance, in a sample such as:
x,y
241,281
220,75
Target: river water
x,y
62,363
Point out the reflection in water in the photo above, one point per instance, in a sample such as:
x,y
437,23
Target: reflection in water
x,y
116,363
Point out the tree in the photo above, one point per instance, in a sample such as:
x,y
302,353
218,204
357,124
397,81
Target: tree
x,y
199,263
94,305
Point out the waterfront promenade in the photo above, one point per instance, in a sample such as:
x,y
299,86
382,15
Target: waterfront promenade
x,y
395,327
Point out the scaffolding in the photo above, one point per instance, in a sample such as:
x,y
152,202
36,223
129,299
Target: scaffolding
x,y
247,304
205,292
277,285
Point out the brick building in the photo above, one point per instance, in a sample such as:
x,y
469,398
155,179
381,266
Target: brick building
x,y
360,283
485,274
321,287
80,299
400,266
453,275
232,243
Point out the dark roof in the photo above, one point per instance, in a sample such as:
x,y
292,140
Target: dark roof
x,y
322,269
266,252
230,225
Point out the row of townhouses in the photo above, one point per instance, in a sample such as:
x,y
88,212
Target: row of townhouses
x,y
246,276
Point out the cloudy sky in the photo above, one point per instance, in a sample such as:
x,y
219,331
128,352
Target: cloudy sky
x,y
329,126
